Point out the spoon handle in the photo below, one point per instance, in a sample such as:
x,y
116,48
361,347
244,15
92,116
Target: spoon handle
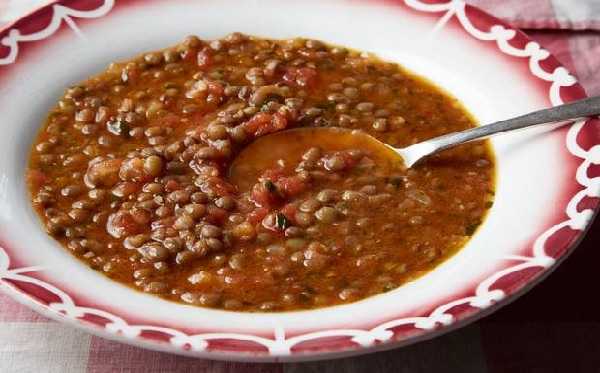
x,y
577,109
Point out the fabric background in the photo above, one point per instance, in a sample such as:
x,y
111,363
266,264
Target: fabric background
x,y
554,328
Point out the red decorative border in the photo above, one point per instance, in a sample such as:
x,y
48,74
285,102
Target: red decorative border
x,y
500,288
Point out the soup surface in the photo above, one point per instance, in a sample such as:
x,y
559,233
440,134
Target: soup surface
x,y
131,173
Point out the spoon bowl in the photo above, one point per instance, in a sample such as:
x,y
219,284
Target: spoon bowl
x,y
286,148
266,151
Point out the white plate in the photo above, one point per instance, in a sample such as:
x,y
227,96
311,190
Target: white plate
x,y
494,70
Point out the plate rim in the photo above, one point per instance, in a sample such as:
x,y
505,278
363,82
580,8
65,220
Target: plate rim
x,y
375,340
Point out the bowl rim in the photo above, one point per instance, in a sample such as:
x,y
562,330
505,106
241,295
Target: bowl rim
x,y
481,299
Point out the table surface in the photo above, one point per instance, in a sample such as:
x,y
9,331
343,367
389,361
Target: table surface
x,y
554,328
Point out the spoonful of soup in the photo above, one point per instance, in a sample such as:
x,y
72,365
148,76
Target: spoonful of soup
x,y
344,148
331,149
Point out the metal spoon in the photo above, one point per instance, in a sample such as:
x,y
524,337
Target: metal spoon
x,y
266,150
577,109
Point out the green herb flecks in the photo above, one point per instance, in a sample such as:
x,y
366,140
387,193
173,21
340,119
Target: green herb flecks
x,y
270,186
281,222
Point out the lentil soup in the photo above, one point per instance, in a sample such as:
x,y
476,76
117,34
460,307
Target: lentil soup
x,y
130,173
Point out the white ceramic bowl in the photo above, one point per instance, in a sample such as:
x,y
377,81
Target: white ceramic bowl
x,y
544,201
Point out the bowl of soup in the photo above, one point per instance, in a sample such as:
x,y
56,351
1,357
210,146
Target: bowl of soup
x,y
125,211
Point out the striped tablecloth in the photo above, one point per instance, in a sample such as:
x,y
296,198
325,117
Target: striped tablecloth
x,y
554,328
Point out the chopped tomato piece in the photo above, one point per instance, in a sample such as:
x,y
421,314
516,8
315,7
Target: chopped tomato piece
x,y
272,174
291,186
259,120
205,58
171,185
198,118
130,73
258,215
141,216
349,159
215,89
121,224
220,187
265,194
37,178
289,211
279,122
300,76
263,123
291,115
273,187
